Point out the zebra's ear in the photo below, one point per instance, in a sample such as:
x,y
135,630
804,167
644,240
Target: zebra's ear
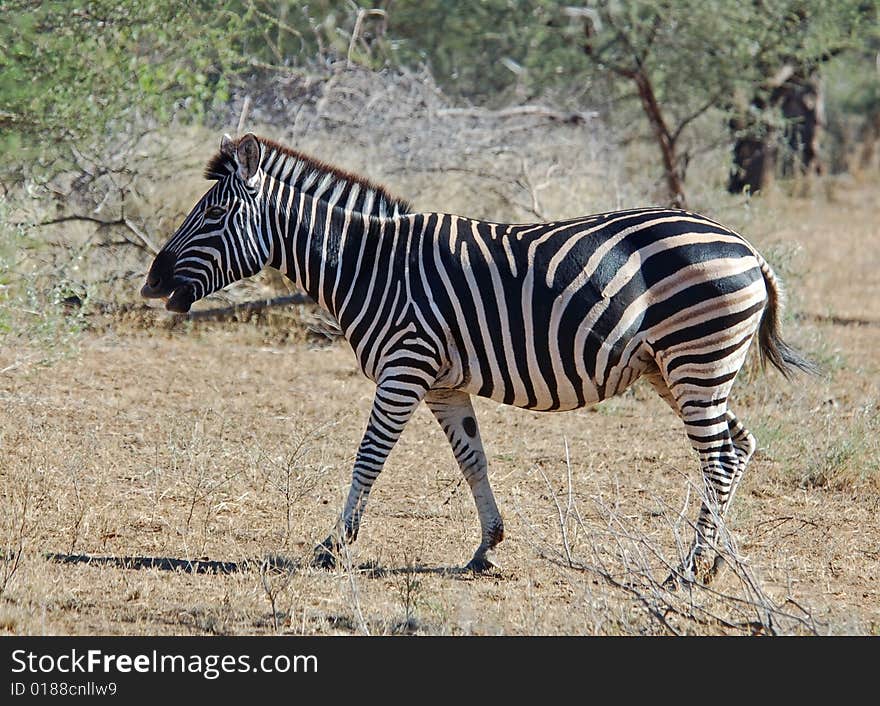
x,y
247,157
227,146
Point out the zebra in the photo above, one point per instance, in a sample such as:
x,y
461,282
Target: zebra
x,y
438,307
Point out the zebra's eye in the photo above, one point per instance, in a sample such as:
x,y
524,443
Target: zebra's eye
x,y
215,212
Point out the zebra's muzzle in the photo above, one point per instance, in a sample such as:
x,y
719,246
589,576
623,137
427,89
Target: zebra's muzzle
x,y
155,291
160,279
178,298
163,284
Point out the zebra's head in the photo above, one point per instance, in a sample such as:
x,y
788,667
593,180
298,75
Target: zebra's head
x,y
221,240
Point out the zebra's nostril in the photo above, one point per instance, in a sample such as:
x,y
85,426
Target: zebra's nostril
x,y
160,278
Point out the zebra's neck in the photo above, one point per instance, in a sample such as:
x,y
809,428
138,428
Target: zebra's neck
x,y
323,245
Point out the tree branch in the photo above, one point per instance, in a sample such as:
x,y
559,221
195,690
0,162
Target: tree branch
x,y
696,114
145,244
649,41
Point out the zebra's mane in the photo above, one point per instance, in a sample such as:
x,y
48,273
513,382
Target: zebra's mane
x,y
309,175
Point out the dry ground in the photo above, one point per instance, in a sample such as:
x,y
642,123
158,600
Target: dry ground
x,y
228,443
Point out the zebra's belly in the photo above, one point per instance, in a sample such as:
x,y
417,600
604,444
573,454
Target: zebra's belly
x,y
549,374
553,395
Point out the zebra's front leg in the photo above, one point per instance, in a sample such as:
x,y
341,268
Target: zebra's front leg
x,y
455,414
393,406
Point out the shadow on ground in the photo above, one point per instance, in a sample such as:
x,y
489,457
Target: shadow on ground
x,y
271,563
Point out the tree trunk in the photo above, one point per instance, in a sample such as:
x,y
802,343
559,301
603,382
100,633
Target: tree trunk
x,y
803,107
664,138
754,157
797,96
869,136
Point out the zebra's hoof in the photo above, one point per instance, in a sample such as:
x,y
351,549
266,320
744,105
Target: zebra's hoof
x,y
682,576
712,572
698,569
482,563
705,569
323,558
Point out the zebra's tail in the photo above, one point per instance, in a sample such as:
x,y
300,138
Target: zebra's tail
x,y
772,348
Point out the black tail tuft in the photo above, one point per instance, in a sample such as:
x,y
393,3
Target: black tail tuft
x,y
773,349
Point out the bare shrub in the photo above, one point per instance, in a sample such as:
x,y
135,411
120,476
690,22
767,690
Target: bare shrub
x,y
203,474
408,588
16,508
610,550
275,577
351,572
293,473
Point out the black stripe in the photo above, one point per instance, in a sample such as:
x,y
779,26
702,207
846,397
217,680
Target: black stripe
x,y
706,382
706,328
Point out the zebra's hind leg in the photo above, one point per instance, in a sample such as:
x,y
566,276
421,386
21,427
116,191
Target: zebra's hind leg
x,y
706,425
687,568
393,406
455,414
745,444
724,447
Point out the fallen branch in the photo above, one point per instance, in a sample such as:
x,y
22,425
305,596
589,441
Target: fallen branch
x,y
90,219
836,320
111,308
249,307
164,563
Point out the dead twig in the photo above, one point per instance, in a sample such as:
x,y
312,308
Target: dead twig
x,y
269,570
362,14
242,118
145,244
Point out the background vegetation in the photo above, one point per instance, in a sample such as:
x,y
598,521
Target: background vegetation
x,y
103,69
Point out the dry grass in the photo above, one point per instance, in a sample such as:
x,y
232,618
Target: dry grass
x,y
201,448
